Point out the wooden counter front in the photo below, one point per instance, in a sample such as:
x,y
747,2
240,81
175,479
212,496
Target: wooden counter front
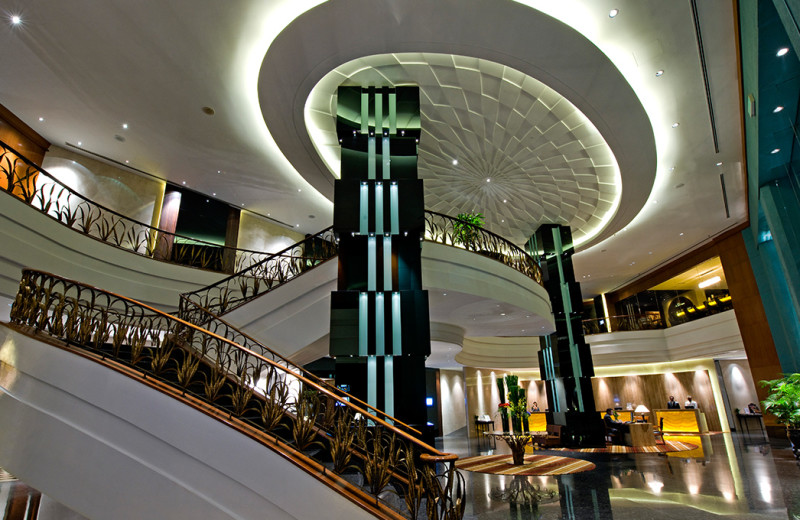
x,y
689,421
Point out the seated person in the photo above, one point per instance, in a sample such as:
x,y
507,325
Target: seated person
x,y
615,427
673,404
689,403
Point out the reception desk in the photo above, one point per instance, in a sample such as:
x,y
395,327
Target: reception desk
x,y
537,422
684,421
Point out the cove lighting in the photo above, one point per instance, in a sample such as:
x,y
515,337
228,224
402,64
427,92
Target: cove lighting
x,y
710,281
782,52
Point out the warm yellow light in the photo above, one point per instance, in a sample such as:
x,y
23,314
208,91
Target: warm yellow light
x,y
710,281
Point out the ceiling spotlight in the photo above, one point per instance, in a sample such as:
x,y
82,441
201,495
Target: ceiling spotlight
x,y
782,52
710,281
41,119
719,163
777,109
659,73
125,126
16,20
505,201
488,179
299,190
675,125
681,234
776,150
184,183
455,162
213,194
613,13
80,143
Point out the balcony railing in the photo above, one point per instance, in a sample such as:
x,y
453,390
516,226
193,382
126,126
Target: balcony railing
x,y
36,187
329,433
454,232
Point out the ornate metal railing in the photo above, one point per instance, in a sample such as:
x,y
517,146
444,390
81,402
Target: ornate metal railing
x,y
306,420
273,271
36,187
279,268
451,231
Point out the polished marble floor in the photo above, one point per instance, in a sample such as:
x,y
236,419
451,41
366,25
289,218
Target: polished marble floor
x,y
730,476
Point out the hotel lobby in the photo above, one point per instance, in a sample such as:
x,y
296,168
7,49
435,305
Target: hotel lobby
x,y
230,229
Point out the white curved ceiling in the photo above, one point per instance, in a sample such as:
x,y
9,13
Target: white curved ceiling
x,y
86,67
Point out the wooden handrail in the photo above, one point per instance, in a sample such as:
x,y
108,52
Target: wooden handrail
x,y
366,414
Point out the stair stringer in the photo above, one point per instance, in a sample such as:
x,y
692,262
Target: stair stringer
x,y
110,447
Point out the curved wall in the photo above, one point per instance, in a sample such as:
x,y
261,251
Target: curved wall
x,y
107,446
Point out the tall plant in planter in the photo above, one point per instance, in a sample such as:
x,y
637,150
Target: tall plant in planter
x,y
503,409
783,402
518,404
466,229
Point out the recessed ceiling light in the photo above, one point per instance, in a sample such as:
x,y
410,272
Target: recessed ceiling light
x,y
125,126
213,194
782,51
613,13
184,182
655,202
719,163
128,162
676,125
41,119
503,220
777,109
208,111
681,234
488,180
671,168
297,225
455,162
659,73
502,314
80,143
776,150
16,20
299,190
505,201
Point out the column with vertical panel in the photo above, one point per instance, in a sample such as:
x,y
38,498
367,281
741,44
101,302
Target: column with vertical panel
x,y
380,328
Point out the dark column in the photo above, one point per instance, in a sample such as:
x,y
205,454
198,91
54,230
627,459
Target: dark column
x,y
565,361
380,325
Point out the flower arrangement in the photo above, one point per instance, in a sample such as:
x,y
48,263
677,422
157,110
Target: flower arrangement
x,y
516,408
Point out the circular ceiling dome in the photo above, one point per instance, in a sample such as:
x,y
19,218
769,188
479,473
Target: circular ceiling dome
x,y
504,42
494,141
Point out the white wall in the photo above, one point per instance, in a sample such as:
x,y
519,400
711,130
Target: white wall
x,y
133,195
259,234
453,400
738,383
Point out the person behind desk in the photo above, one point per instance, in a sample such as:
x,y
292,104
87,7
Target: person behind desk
x,y
535,407
689,403
615,428
672,404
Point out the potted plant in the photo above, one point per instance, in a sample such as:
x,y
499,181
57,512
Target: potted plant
x,y
466,229
783,402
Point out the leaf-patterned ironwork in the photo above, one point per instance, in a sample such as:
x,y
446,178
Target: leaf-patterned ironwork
x,y
216,367
33,185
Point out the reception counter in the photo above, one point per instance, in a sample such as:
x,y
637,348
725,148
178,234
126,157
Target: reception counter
x,y
537,422
686,421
